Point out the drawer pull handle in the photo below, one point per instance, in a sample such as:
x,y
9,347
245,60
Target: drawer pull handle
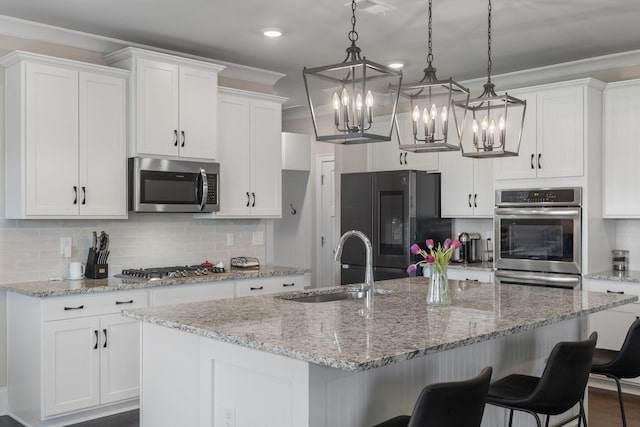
x,y
104,331
614,292
95,347
124,302
287,285
258,288
80,307
471,280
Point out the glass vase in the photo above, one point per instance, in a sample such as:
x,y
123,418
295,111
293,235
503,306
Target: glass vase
x,y
438,293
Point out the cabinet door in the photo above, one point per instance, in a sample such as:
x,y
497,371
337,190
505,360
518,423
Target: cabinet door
x,y
456,185
525,164
269,285
103,143
621,151
266,159
560,115
483,196
71,365
119,358
198,113
51,140
156,118
234,135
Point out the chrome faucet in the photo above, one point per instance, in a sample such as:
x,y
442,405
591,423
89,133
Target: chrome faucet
x,y
368,272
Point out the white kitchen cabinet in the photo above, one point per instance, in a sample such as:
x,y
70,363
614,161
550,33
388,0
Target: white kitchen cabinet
x,y
466,186
612,325
71,371
621,150
173,104
66,138
269,285
166,295
250,154
554,133
388,156
72,353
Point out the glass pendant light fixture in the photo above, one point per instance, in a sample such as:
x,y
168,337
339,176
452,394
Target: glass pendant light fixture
x,y
432,108
496,121
354,101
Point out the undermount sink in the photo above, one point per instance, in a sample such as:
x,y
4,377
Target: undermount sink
x,y
336,296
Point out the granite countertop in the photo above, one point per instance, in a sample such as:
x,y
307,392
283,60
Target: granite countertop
x,y
73,287
348,335
620,276
480,266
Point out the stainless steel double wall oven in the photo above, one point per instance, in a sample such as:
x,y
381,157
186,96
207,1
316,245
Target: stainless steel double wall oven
x,y
538,236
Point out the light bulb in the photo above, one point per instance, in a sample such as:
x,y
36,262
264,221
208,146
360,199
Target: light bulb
x,y
359,102
501,123
369,99
345,97
444,114
492,127
474,126
416,114
425,115
485,123
434,111
336,101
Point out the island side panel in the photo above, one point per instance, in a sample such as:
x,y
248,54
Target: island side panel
x,y
170,383
359,399
243,387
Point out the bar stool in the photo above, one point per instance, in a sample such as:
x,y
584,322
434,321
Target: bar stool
x,y
624,363
450,404
560,387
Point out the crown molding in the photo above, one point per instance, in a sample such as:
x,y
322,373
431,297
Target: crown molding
x,y
51,34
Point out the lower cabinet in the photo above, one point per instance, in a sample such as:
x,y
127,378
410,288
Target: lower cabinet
x,y
269,285
612,325
90,361
470,275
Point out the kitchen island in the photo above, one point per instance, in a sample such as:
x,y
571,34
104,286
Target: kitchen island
x,y
273,361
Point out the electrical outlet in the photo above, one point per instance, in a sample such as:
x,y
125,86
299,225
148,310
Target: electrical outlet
x,y
258,238
230,239
65,246
229,414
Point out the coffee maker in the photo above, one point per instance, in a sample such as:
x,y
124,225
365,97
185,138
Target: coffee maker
x,y
469,247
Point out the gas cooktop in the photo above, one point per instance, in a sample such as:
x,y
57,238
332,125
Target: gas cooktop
x,y
157,273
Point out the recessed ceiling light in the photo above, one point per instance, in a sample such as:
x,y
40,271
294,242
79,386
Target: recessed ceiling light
x,y
396,65
272,32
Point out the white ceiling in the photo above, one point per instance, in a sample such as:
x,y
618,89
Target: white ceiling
x,y
526,33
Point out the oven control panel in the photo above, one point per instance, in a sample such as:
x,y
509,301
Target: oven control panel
x,y
540,197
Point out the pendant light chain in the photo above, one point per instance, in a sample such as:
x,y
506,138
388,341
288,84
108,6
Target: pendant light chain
x,y
353,35
489,46
429,43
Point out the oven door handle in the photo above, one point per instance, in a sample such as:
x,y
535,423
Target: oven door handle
x,y
555,280
566,212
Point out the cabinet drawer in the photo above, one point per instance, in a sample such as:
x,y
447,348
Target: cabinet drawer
x,y
192,293
69,307
269,285
473,275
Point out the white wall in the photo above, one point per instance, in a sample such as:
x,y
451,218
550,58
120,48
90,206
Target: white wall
x,y
628,237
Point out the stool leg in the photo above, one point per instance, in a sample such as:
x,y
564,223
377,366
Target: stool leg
x,y
624,419
510,417
538,422
547,423
583,415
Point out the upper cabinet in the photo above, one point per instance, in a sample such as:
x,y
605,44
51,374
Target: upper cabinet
x,y
553,139
621,149
250,154
388,156
173,104
65,138
467,186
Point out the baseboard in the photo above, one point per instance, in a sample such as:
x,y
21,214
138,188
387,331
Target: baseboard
x,y
609,384
4,401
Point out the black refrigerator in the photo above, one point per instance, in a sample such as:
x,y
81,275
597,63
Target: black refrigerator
x,y
394,209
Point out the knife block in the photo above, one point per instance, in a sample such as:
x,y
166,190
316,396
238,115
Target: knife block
x,y
93,270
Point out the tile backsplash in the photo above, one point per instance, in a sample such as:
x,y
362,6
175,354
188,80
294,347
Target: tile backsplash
x,y
30,249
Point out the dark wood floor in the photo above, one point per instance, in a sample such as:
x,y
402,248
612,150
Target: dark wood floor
x,y
603,412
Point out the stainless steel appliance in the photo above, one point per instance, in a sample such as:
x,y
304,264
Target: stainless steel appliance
x,y
157,273
162,185
538,236
469,251
394,209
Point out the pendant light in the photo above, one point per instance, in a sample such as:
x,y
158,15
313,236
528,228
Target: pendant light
x,y
354,101
431,104
496,121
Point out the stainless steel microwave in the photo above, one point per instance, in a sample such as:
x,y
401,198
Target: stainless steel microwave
x,y
163,185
